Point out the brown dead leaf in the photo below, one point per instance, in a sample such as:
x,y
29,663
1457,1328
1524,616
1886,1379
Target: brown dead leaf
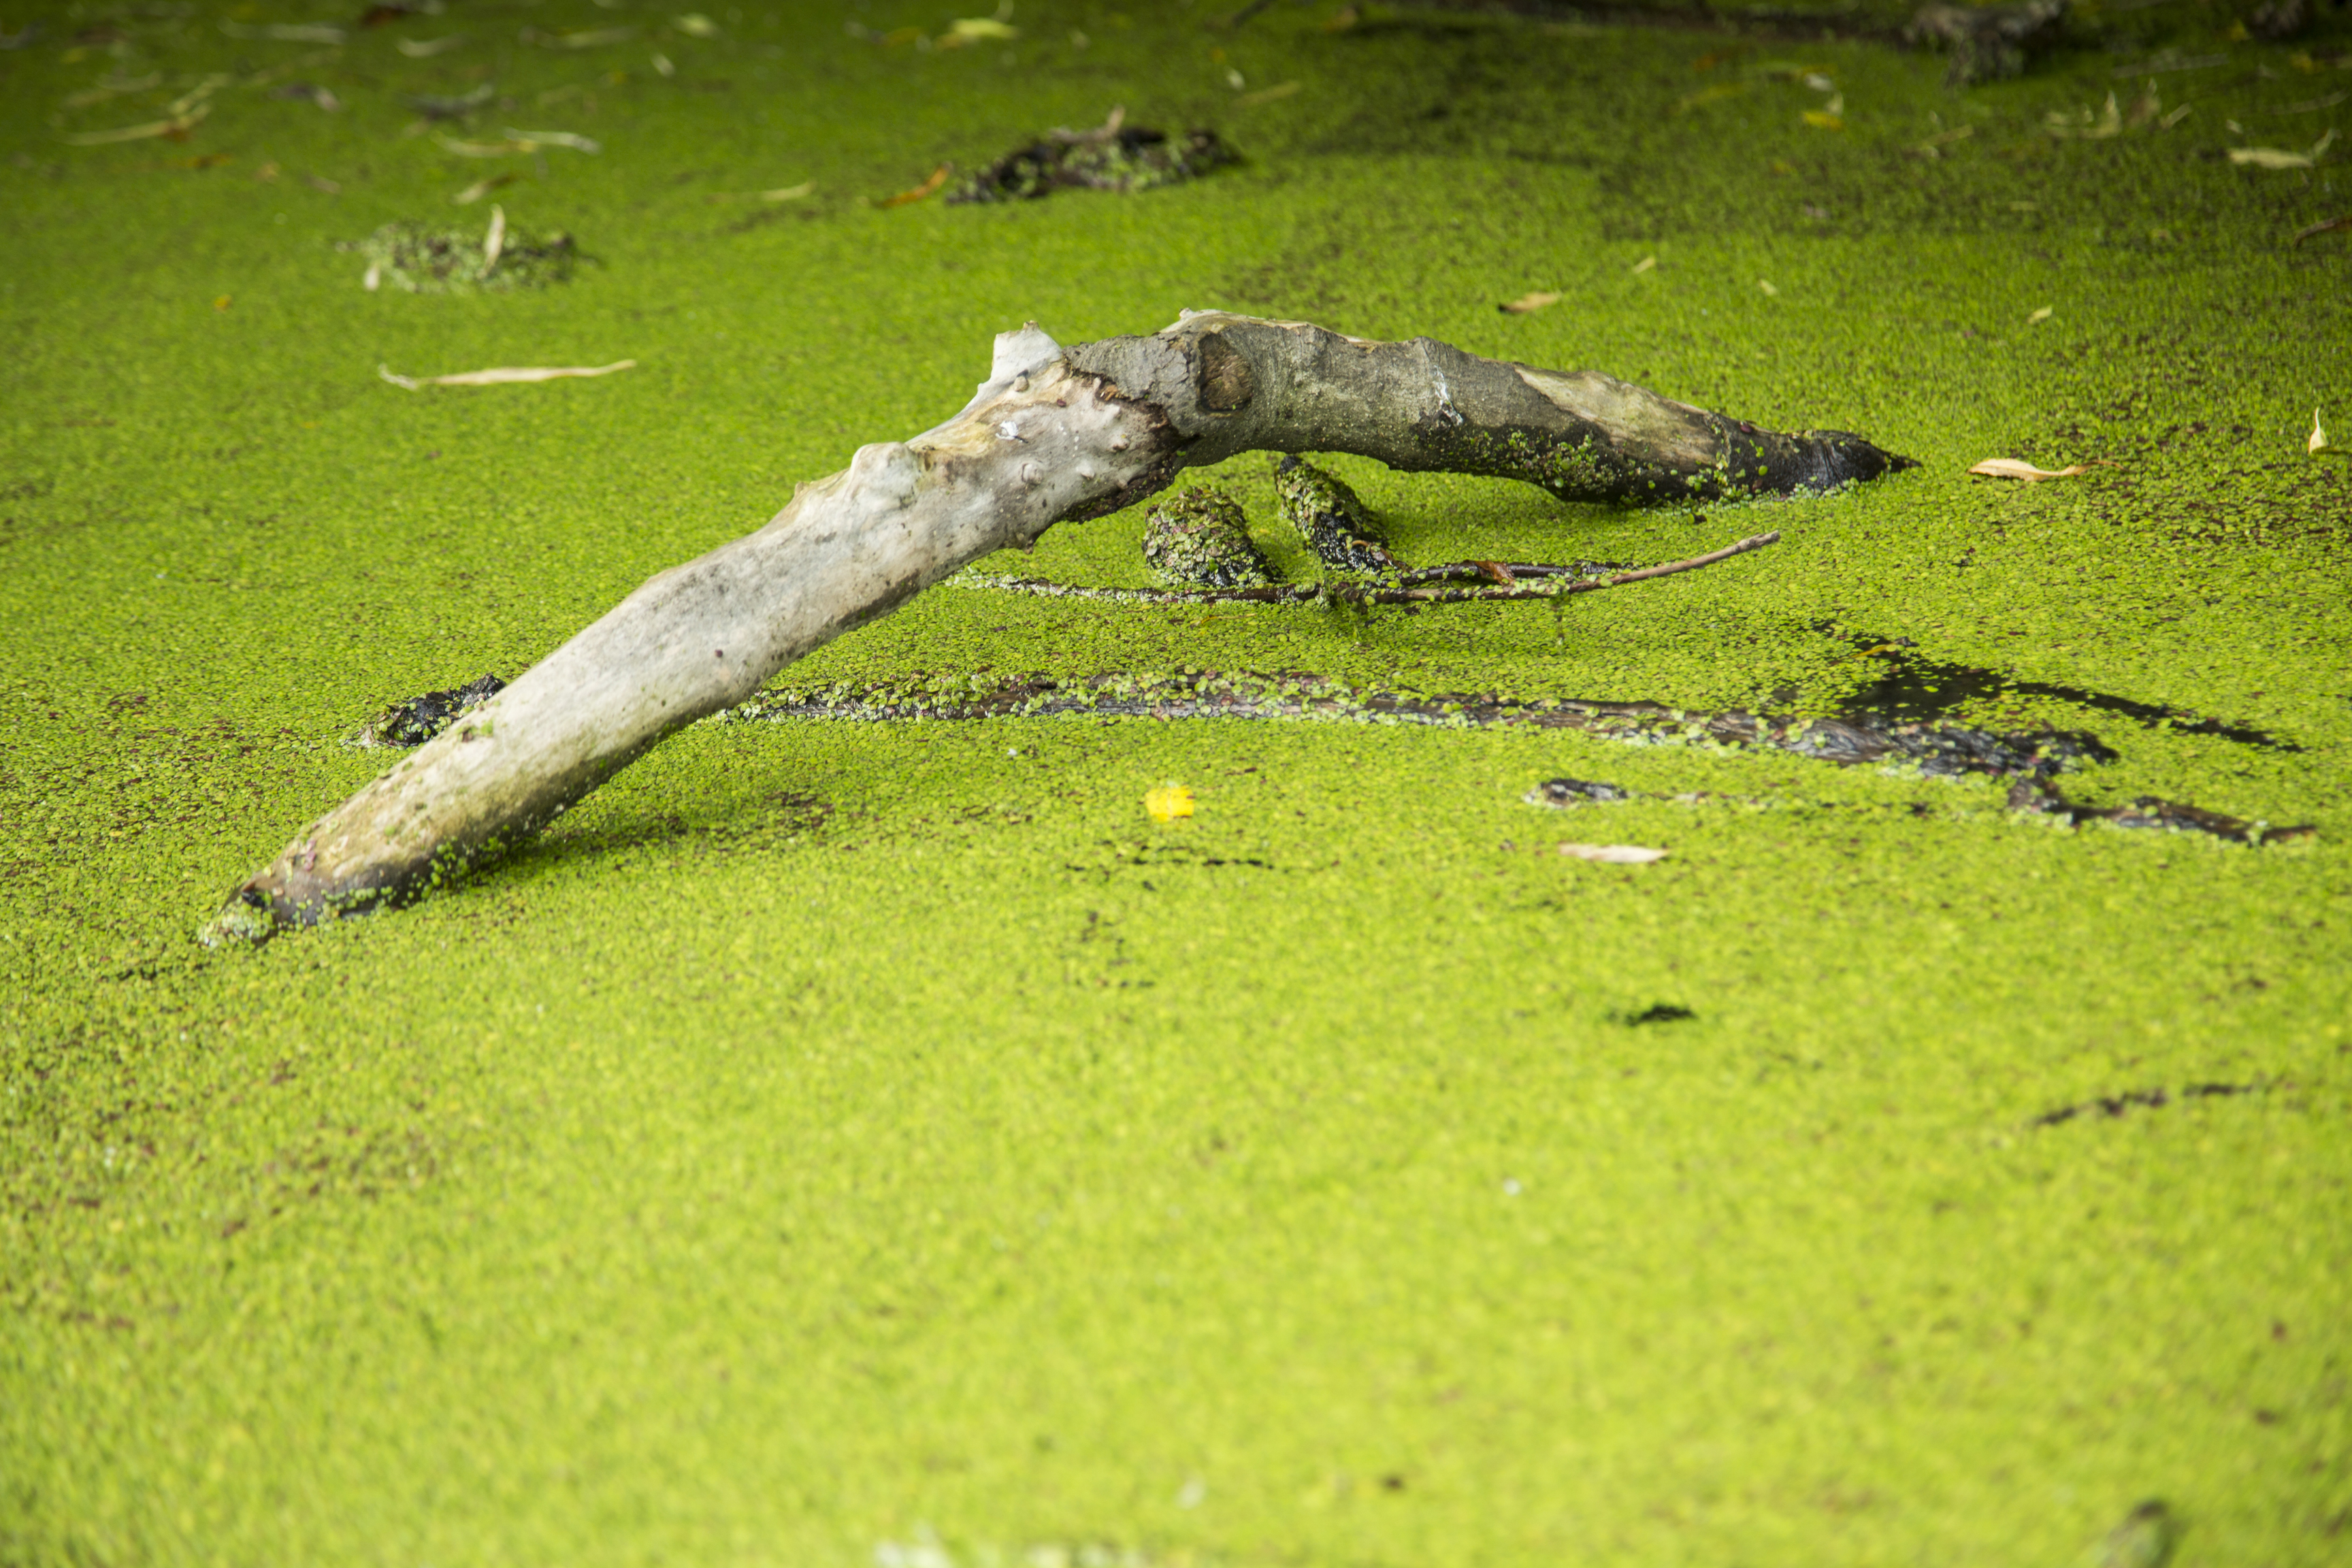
x,y
938,177
2015,468
1525,303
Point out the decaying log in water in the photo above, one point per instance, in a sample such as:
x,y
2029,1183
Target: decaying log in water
x,y
1052,436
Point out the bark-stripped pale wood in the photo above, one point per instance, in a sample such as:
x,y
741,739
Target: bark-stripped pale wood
x,y
1051,436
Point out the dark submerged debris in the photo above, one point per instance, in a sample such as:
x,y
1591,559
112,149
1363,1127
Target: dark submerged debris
x,y
2277,20
1938,749
424,261
2147,1534
1199,539
1660,1013
2139,1099
1572,792
2038,796
1330,518
1548,583
418,719
1114,156
1987,43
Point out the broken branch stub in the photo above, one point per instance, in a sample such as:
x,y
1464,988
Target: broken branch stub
x,y
1052,436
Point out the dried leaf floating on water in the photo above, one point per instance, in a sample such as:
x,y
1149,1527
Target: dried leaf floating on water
x,y
2016,469
938,177
503,375
2277,158
1527,303
457,108
1280,90
288,32
426,48
1612,854
2319,446
480,188
978,30
531,141
591,38
178,125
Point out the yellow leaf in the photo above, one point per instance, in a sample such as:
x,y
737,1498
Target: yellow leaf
x,y
2013,469
978,29
2043,314
1527,302
1823,120
1766,288
1167,802
1645,264
695,24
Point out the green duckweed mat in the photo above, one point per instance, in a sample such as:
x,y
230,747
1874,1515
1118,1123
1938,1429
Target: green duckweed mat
x,y
843,1143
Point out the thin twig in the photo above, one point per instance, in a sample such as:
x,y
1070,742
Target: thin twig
x,y
2323,227
1368,593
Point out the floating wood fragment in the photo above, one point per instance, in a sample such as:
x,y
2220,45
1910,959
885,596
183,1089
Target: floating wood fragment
x,y
1526,304
503,375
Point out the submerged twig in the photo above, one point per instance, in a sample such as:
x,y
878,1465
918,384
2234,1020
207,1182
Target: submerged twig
x,y
1341,592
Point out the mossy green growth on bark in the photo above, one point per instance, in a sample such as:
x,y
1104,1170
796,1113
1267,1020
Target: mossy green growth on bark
x,y
1330,517
1199,539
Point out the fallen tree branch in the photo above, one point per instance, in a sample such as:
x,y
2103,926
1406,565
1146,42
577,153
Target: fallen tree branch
x,y
1544,585
1052,436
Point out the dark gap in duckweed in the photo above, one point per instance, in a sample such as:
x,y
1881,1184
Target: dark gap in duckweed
x,y
419,718
1660,1013
1112,157
421,259
1916,688
2143,1100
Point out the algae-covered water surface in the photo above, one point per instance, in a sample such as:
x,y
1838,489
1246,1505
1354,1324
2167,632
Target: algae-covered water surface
x,y
863,1132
